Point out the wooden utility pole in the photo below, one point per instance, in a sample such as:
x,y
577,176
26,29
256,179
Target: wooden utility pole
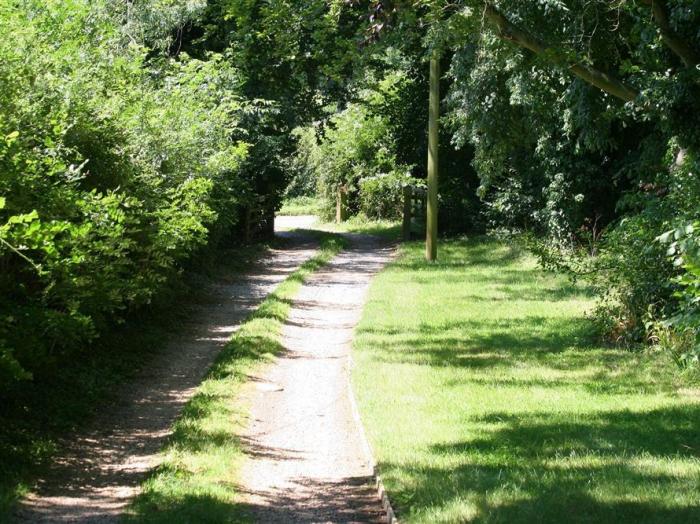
x,y
431,229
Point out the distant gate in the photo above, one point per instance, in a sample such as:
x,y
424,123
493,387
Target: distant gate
x,y
414,211
259,220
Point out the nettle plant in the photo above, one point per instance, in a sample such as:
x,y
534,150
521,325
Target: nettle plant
x,y
684,338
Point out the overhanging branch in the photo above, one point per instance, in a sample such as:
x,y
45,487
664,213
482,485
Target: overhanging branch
x,y
681,48
600,79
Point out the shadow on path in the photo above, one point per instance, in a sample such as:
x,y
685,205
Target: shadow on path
x,y
99,469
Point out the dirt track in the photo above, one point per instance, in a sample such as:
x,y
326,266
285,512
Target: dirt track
x,y
99,470
307,461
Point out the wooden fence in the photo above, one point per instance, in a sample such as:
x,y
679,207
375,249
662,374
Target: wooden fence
x,y
259,220
415,201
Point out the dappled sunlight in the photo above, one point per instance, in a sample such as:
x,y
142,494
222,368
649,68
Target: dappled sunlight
x,y
196,480
504,407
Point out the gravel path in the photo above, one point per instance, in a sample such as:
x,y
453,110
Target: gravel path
x,y
99,470
307,460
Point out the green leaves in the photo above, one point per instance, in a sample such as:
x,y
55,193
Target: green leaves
x,y
117,161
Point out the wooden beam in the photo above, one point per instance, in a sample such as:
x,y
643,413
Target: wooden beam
x,y
407,212
433,160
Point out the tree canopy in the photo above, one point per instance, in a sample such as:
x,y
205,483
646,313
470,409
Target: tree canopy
x,y
134,135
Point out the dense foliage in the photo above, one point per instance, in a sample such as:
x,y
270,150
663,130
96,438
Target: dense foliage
x,y
132,134
580,119
119,159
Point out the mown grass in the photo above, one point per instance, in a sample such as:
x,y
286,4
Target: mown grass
x,y
196,481
303,205
388,229
487,399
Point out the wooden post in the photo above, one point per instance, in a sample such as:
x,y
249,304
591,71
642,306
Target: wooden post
x,y
248,225
407,211
433,145
269,221
341,207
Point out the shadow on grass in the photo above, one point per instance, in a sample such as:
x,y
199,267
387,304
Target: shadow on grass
x,y
474,251
482,343
491,349
176,493
339,497
523,463
545,494
555,466
492,264
663,432
162,508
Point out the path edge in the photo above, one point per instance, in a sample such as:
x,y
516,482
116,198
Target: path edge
x,y
369,455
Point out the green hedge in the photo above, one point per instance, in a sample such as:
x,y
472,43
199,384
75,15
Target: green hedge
x,y
117,163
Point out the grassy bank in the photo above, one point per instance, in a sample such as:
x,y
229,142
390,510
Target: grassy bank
x,y
487,399
196,480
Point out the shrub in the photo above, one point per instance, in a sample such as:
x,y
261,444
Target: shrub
x,y
381,195
684,324
116,165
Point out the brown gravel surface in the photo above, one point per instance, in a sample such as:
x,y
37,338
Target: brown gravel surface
x,y
307,460
99,470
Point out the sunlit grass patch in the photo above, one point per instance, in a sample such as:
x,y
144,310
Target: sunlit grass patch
x,y
302,205
388,229
196,479
487,398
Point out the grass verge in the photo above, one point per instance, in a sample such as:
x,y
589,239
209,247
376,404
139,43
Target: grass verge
x,y
196,481
302,205
487,399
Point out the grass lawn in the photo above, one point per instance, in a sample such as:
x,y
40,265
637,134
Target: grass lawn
x,y
303,205
387,229
196,481
487,399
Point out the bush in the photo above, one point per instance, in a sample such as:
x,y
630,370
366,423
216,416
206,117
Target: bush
x,y
684,324
381,195
116,165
